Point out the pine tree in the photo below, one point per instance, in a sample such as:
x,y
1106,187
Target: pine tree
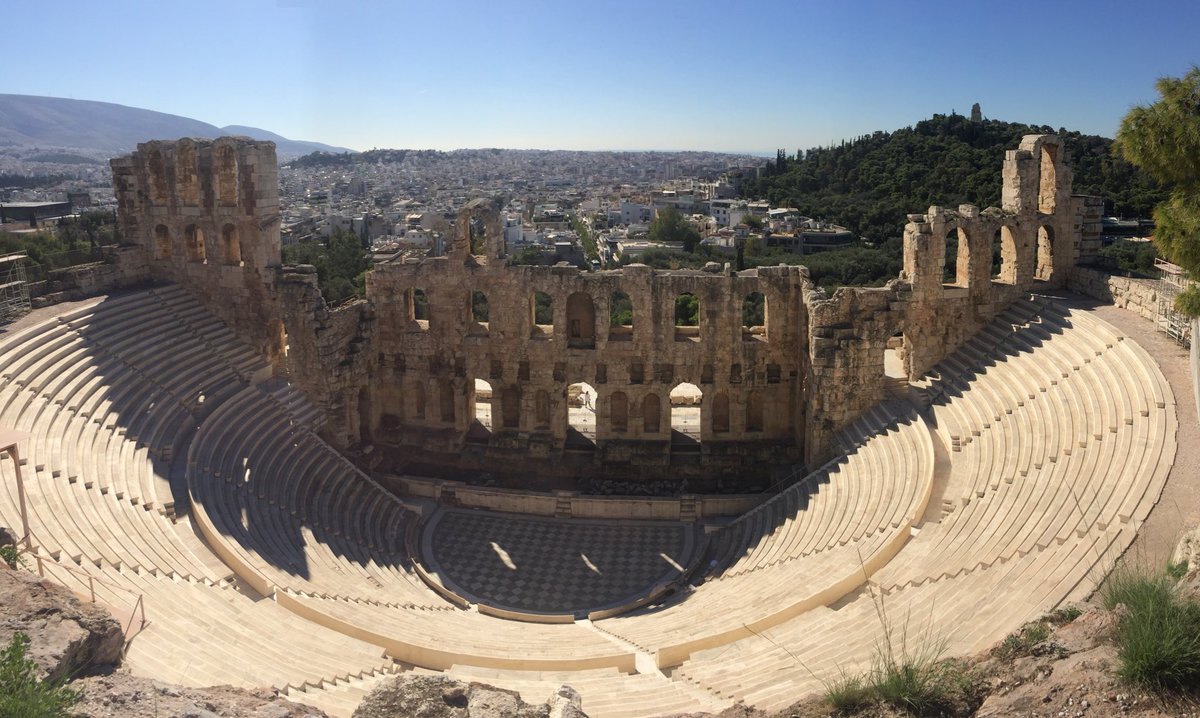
x,y
1164,140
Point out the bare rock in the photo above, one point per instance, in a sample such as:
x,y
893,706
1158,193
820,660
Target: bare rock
x,y
121,695
67,636
566,703
441,697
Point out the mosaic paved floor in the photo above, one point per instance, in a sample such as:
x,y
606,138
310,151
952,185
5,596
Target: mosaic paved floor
x,y
547,565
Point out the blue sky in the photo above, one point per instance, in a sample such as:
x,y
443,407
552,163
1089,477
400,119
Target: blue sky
x,y
746,75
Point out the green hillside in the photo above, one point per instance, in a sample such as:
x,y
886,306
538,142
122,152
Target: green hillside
x,y
870,183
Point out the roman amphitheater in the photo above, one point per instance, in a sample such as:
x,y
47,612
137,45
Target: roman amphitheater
x,y
230,465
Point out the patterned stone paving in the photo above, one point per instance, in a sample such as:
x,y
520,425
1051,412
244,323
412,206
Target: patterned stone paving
x,y
546,565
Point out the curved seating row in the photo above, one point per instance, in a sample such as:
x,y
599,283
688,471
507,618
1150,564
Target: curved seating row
x,y
811,550
1060,431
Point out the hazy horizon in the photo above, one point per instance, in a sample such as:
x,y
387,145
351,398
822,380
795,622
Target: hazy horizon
x,y
699,76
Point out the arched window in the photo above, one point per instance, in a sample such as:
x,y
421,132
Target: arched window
x,y
541,315
162,242
446,403
194,240
1045,253
158,178
720,412
754,412
651,414
227,176
480,313
958,259
541,410
687,317
231,246
510,407
754,317
620,318
186,185
1047,179
419,401
419,306
1004,256
581,321
618,410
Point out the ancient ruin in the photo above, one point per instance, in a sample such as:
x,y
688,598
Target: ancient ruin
x,y
955,443
400,368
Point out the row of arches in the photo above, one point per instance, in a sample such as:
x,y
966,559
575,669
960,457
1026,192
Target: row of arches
x,y
1004,259
195,247
581,316
620,415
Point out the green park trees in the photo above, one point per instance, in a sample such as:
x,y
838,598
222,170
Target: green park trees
x,y
670,226
1164,140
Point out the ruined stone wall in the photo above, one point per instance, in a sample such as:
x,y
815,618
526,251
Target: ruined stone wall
x,y
122,266
1137,295
206,214
399,369
750,379
329,353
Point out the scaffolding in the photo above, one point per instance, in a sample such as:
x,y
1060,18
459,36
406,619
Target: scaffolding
x,y
14,288
1172,281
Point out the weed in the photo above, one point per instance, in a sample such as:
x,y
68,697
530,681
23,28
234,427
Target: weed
x,y
1023,642
22,693
1064,615
848,693
1158,635
1177,570
1136,586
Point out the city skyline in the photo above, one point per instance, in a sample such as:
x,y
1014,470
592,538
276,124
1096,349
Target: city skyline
x,y
607,75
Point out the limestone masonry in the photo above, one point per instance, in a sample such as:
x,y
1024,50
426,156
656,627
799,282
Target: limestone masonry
x,y
398,369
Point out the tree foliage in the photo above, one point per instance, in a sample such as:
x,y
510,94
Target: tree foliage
x,y
870,183
670,226
341,264
1164,140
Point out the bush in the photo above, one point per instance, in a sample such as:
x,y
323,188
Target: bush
x,y
11,555
1158,634
22,693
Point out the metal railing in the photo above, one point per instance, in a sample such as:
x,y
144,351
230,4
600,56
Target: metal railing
x,y
139,605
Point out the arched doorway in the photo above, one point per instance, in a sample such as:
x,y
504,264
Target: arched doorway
x,y
481,424
686,399
581,415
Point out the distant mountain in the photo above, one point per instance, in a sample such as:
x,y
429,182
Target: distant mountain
x,y
285,148
105,127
